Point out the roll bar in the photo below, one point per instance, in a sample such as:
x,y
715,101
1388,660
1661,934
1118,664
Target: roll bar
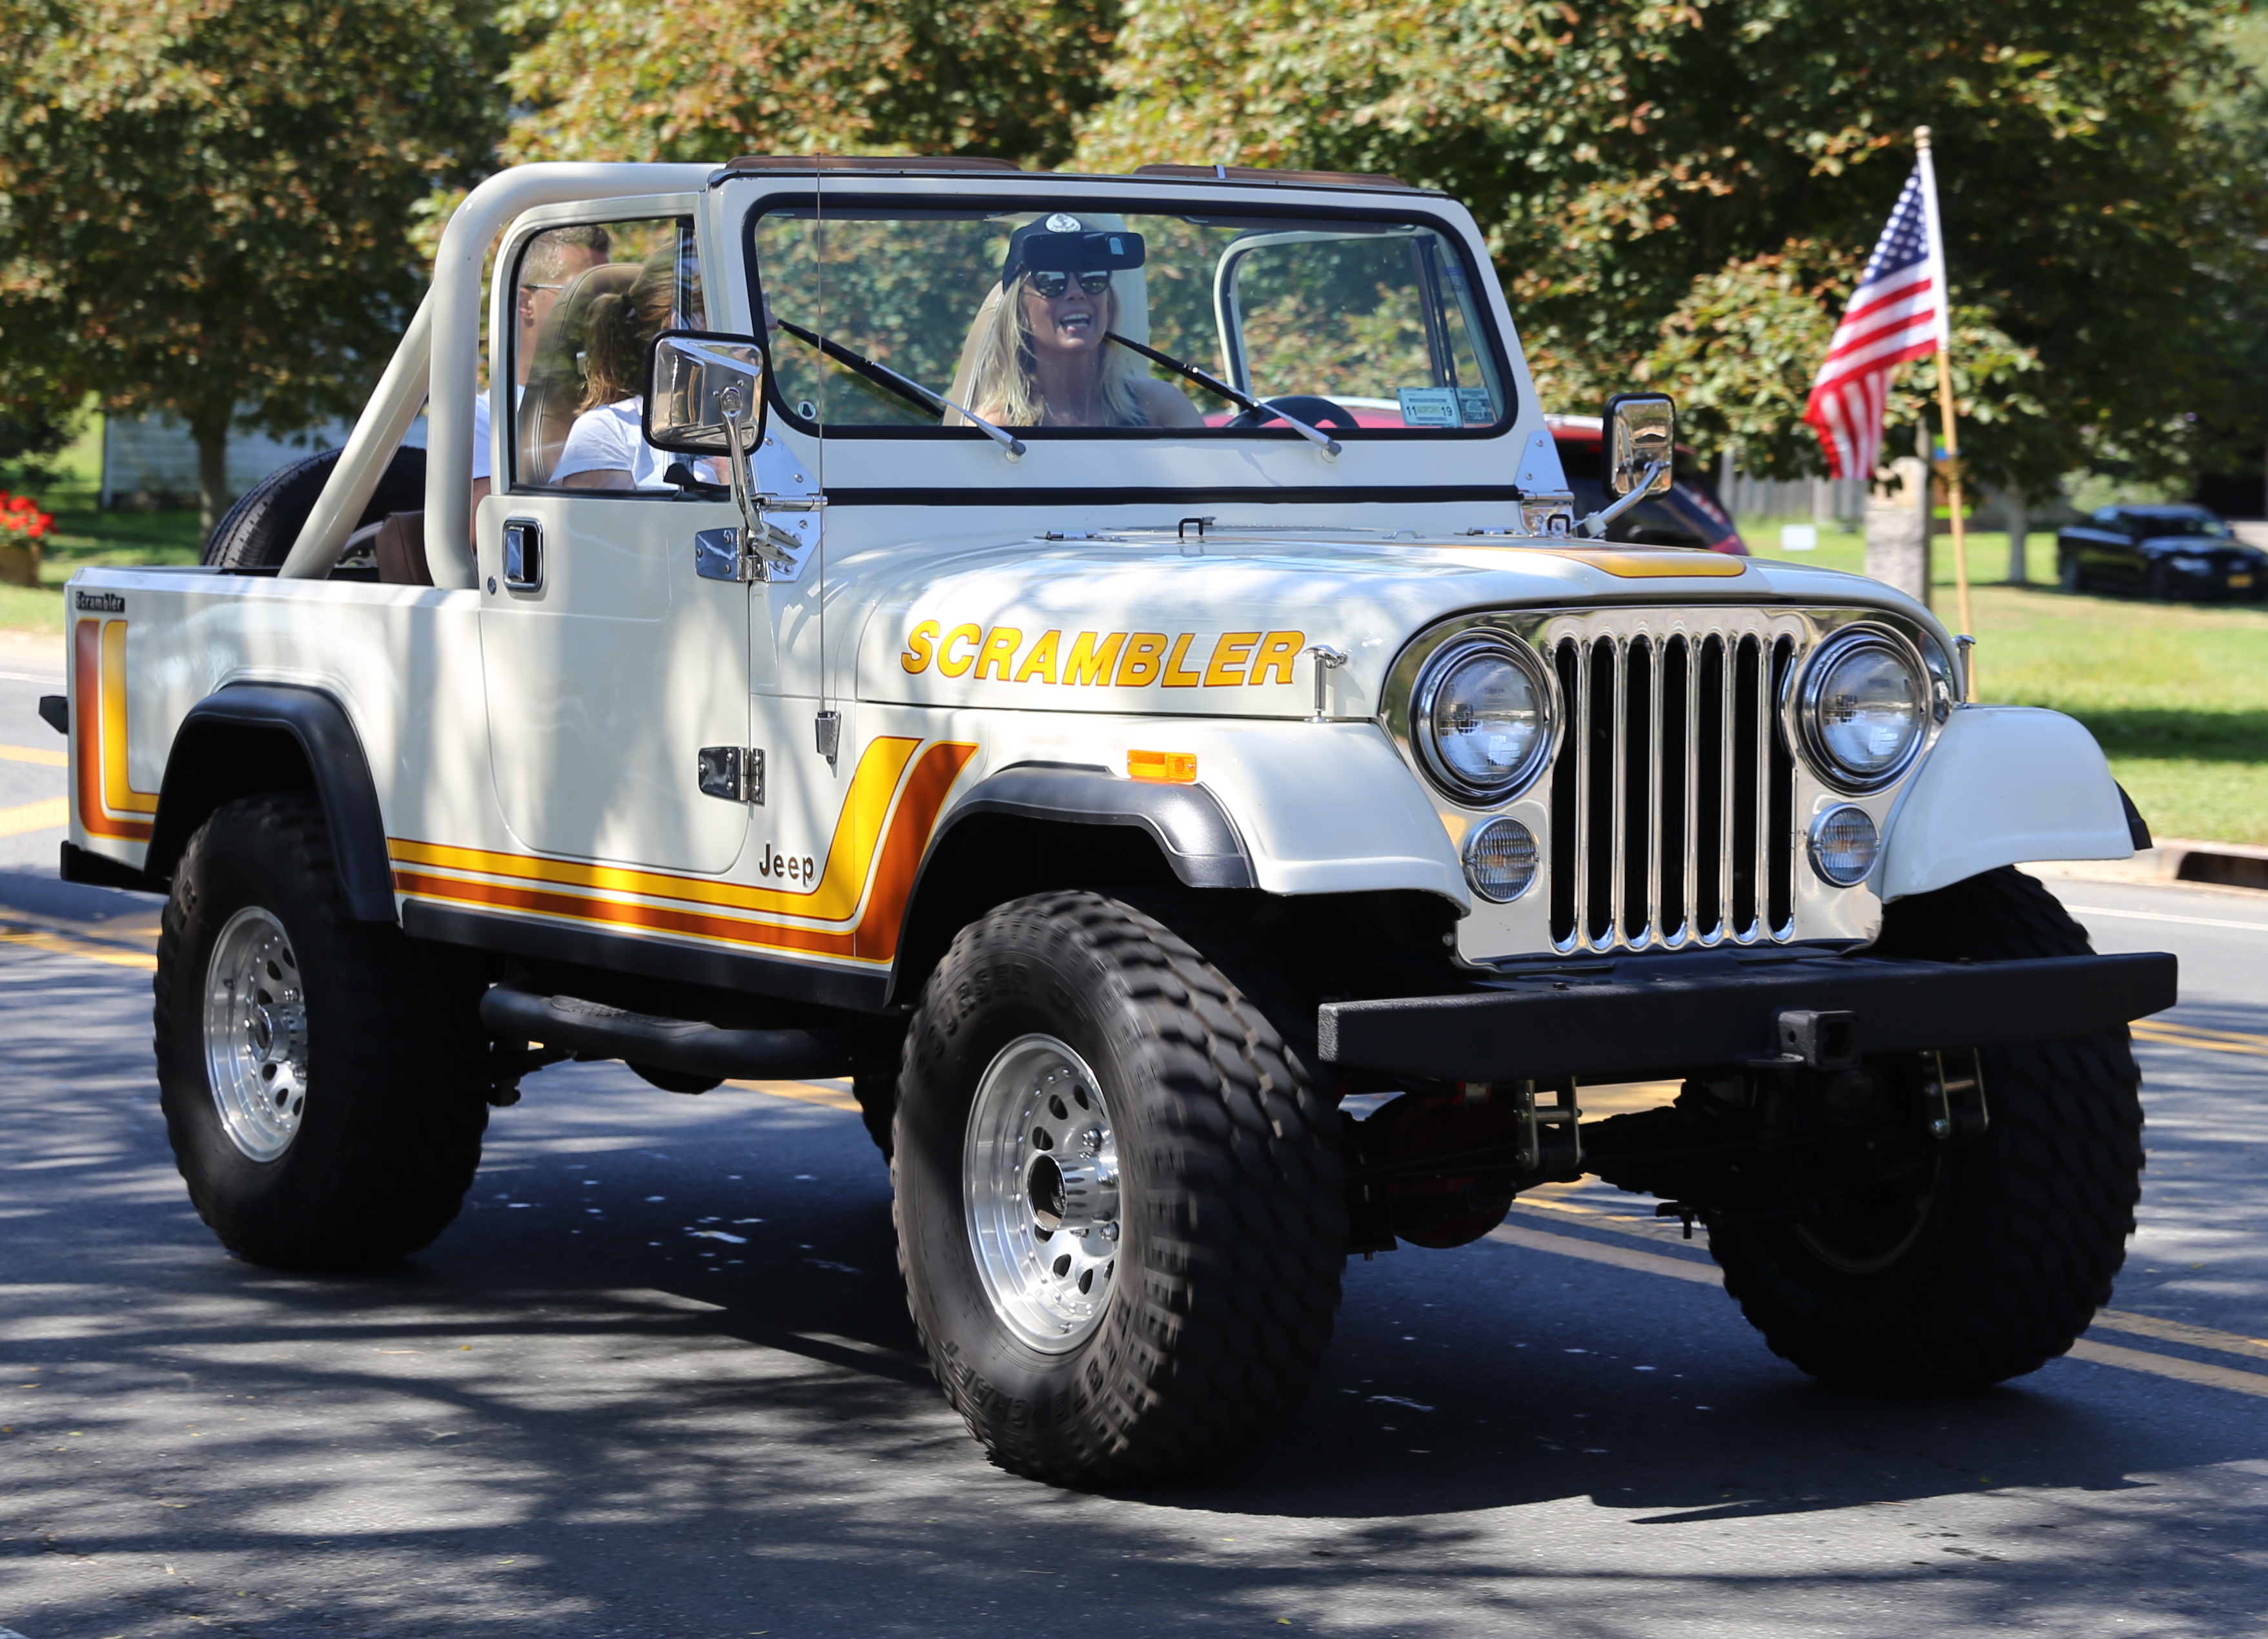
x,y
437,364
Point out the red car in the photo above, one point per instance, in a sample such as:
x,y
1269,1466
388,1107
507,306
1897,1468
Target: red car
x,y
1691,515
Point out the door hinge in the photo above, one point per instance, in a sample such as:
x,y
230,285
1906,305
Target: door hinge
x,y
733,773
723,554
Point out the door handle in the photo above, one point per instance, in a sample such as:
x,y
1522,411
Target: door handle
x,y
523,555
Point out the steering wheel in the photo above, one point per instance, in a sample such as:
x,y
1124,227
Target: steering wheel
x,y
1317,412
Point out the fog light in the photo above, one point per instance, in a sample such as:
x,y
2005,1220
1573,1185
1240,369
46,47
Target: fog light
x,y
1500,860
1844,846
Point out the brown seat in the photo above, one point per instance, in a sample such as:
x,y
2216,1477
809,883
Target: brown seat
x,y
400,551
554,379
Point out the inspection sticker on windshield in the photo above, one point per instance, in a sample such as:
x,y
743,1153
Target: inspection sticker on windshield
x,y
1476,406
1430,407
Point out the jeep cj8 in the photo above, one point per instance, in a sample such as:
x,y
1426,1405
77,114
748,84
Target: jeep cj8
x,y
1109,665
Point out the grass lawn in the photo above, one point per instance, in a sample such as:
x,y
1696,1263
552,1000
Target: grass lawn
x,y
2177,693
85,534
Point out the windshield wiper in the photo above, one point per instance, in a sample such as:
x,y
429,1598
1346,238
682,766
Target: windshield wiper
x,y
1315,436
904,387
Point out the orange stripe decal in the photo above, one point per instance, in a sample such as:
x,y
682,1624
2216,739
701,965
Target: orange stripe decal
x,y
543,887
833,897
99,734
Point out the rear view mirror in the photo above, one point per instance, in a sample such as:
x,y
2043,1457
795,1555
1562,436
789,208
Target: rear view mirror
x,y
1641,435
700,389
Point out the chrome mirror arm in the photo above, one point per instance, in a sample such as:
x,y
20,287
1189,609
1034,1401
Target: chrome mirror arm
x,y
1595,525
755,532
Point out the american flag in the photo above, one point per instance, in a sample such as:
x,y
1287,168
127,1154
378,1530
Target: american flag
x,y
1897,313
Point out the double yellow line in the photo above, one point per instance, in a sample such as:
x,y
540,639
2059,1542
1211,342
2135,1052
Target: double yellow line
x,y
2182,1369
2171,1035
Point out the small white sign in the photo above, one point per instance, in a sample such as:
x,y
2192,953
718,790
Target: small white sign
x,y
1799,537
1430,407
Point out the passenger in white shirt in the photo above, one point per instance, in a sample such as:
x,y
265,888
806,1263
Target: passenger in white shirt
x,y
606,449
551,264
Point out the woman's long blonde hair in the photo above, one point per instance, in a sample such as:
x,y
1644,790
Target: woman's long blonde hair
x,y
996,377
623,327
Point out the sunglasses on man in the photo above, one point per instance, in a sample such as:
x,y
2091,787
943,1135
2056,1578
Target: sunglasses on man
x,y
1052,284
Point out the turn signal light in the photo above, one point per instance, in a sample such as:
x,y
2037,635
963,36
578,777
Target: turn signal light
x,y
1176,768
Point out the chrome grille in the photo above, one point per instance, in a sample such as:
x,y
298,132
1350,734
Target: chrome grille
x,y
1672,796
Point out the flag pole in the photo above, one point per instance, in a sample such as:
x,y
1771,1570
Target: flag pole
x,y
1945,402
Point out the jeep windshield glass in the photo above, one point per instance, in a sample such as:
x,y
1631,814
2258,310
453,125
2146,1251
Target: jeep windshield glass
x,y
1367,326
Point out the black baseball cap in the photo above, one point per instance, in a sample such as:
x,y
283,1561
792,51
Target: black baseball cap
x,y
1061,243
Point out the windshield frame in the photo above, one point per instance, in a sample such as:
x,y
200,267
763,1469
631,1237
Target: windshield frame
x,y
1495,359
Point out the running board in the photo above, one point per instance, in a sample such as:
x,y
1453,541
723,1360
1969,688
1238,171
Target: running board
x,y
685,1046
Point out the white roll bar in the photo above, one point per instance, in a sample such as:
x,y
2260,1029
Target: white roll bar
x,y
438,366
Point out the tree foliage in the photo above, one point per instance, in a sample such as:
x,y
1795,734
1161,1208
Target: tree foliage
x,y
204,205
1657,177
609,79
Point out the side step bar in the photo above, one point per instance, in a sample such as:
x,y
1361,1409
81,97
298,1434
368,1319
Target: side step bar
x,y
685,1046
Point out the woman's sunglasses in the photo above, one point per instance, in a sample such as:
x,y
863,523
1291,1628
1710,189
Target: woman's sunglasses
x,y
1054,285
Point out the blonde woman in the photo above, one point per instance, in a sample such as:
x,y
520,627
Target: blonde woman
x,y
1039,356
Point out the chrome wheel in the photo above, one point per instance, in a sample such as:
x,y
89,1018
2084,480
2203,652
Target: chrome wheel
x,y
1040,1185
256,1034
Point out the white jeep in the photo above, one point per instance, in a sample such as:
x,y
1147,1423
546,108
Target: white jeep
x,y
1109,665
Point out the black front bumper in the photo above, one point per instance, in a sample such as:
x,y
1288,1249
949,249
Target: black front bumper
x,y
1649,1016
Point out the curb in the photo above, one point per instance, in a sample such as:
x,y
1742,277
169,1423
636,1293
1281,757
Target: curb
x,y
2176,859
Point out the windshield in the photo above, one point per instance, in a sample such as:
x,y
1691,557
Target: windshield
x,y
2182,523
1109,322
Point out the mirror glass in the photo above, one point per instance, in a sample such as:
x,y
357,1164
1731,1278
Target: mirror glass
x,y
1641,430
697,383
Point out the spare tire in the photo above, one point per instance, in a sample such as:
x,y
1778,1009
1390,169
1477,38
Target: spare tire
x,y
257,534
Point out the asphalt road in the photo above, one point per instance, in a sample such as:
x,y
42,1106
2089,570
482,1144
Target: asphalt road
x,y
659,1380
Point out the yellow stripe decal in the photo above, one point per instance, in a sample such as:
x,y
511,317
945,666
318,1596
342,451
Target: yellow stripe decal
x,y
118,792
833,897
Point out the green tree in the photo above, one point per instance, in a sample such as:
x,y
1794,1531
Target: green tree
x,y
1657,177
204,205
607,79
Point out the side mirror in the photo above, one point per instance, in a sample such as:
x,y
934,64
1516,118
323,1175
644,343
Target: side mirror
x,y
1641,432
701,389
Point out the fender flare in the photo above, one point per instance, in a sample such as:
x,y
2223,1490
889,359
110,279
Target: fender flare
x,y
1191,829
200,777
2005,785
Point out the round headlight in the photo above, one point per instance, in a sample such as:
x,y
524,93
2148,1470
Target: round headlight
x,y
1482,717
1500,860
1865,708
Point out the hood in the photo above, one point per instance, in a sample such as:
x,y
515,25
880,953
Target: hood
x,y
1139,621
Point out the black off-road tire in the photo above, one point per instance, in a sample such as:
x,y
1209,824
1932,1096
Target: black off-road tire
x,y
2020,1233
396,1061
1232,1204
257,532
2067,573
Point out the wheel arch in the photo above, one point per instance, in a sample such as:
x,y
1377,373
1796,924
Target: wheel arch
x,y
1033,827
249,738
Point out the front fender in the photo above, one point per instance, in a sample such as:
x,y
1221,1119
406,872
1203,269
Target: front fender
x,y
1327,807
2003,785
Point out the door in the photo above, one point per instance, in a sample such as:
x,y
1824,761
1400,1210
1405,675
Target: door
x,y
609,662
606,679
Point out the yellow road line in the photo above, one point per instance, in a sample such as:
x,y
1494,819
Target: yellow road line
x,y
43,815
2168,1366
63,945
803,1092
2229,1378
2203,1034
2180,1332
2255,1046
34,753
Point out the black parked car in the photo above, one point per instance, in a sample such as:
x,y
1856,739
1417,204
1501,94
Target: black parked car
x,y
2161,551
